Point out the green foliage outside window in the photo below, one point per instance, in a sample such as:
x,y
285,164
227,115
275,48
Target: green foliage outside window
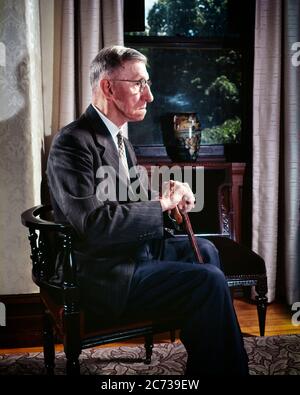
x,y
192,78
187,18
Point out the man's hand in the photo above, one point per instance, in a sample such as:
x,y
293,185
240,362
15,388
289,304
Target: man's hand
x,y
179,194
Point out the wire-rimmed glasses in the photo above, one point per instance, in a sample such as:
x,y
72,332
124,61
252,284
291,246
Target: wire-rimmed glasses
x,y
140,84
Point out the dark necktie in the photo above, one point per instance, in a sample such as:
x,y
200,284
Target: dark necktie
x,y
122,153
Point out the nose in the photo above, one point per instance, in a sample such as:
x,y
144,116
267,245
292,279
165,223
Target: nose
x,y
147,94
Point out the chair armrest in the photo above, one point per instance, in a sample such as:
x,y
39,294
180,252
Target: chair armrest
x,y
49,241
32,218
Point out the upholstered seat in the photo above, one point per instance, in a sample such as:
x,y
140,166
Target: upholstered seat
x,y
243,268
238,259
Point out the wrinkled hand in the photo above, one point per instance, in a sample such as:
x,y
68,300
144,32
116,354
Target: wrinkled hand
x,y
179,194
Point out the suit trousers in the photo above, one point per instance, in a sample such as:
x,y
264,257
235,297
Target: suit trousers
x,y
176,285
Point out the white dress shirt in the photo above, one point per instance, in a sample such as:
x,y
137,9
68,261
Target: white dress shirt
x,y
113,130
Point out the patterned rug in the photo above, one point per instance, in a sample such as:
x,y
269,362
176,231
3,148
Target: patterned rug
x,y
273,355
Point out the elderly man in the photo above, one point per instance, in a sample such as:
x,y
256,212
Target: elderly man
x,y
126,266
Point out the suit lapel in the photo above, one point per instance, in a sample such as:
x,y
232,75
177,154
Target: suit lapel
x,y
104,138
131,158
110,154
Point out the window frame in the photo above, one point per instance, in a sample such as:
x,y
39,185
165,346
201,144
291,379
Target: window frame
x,y
235,152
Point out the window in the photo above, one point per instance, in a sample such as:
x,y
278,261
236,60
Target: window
x,y
200,60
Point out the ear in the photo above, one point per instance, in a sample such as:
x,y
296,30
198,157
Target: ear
x,y
106,88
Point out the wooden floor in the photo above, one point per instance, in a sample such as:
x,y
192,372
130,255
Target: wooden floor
x,y
278,322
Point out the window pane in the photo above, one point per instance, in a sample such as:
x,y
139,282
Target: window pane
x,y
207,82
186,18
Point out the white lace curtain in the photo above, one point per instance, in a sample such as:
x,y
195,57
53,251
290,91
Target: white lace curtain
x,y
21,134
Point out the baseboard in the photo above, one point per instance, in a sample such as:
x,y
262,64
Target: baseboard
x,y
23,321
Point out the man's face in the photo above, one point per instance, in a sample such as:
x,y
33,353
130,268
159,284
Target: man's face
x,y
128,103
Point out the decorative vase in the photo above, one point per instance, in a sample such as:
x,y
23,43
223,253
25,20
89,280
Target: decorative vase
x,y
182,132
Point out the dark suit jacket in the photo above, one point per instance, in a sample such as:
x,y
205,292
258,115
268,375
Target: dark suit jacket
x,y
110,237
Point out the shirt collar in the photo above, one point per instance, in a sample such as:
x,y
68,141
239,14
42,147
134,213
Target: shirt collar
x,y
113,129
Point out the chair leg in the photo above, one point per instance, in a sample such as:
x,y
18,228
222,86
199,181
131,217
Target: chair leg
x,y
49,347
172,335
261,303
72,368
148,348
72,342
261,311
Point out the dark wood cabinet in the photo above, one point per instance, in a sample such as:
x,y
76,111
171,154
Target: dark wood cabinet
x,y
223,189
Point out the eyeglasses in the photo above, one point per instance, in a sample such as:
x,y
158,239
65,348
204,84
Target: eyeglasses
x,y
140,84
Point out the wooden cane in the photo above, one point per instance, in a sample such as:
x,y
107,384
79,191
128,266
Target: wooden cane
x,y
183,218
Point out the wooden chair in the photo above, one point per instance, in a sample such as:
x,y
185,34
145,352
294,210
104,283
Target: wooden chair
x,y
242,267
63,314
